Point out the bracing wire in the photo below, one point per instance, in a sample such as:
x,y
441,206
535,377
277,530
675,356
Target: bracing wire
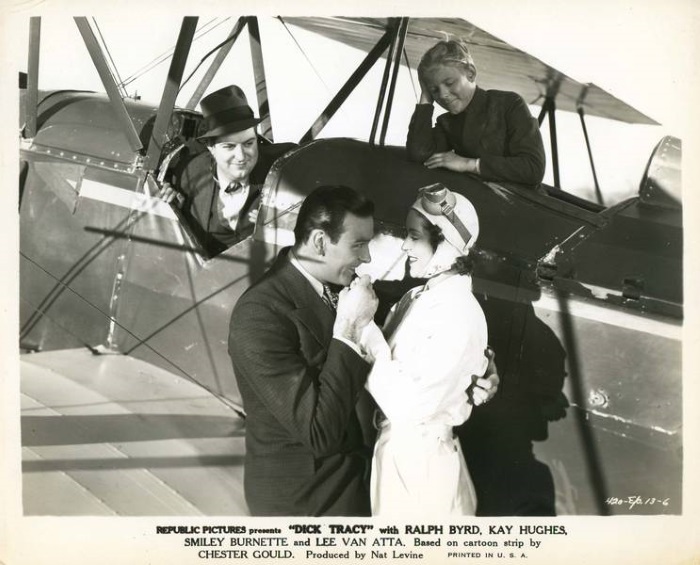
x,y
303,53
410,73
94,350
113,68
209,54
167,54
85,344
160,59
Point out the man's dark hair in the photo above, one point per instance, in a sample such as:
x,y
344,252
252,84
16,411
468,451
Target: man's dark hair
x,y
325,208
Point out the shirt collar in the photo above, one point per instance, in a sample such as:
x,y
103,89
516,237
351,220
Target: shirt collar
x,y
315,283
222,187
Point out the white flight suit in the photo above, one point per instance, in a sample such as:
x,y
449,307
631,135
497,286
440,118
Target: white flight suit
x,y
436,339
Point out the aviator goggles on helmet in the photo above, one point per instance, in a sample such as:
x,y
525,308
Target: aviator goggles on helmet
x,y
437,200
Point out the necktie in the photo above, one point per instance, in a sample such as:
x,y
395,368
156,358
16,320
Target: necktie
x,y
232,187
330,297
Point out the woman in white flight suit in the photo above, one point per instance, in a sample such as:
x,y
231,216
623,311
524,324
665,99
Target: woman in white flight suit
x,y
436,339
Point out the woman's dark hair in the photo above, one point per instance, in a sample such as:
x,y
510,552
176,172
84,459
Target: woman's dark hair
x,y
464,264
325,208
435,235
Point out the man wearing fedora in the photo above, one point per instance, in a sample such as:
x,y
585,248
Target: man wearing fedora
x,y
218,190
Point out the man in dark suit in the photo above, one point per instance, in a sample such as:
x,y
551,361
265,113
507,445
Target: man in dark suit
x,y
299,368
218,190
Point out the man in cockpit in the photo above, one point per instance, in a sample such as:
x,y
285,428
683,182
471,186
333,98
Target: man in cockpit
x,y
218,191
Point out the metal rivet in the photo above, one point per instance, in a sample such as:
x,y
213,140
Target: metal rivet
x,y
597,399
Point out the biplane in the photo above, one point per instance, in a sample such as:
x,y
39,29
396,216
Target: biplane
x,y
129,401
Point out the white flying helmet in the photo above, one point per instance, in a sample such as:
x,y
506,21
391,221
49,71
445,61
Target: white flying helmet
x,y
457,219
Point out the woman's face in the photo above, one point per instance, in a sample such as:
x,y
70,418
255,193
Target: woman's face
x,y
417,244
450,86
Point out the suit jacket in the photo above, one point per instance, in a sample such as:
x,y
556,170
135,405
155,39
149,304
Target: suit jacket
x,y
305,453
194,177
496,127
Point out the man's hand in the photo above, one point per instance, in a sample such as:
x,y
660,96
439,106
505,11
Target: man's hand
x,y
484,388
168,194
373,344
356,307
451,161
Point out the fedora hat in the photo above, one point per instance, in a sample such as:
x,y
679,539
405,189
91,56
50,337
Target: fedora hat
x,y
226,111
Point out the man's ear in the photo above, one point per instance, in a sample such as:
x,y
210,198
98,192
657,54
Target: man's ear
x,y
318,242
471,72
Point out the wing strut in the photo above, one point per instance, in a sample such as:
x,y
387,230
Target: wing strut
x,y
32,96
260,80
598,194
395,57
172,85
393,28
348,87
216,64
549,109
109,83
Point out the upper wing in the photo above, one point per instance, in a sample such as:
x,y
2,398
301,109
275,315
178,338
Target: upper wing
x,y
501,66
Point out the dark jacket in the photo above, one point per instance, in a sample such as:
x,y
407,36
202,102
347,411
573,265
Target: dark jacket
x,y
496,127
194,178
305,454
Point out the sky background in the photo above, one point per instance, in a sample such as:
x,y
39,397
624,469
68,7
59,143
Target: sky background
x,y
641,52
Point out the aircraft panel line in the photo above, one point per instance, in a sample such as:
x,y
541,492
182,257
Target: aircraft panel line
x,y
125,198
137,338
618,318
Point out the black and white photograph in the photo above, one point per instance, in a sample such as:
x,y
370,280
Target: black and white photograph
x,y
333,283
